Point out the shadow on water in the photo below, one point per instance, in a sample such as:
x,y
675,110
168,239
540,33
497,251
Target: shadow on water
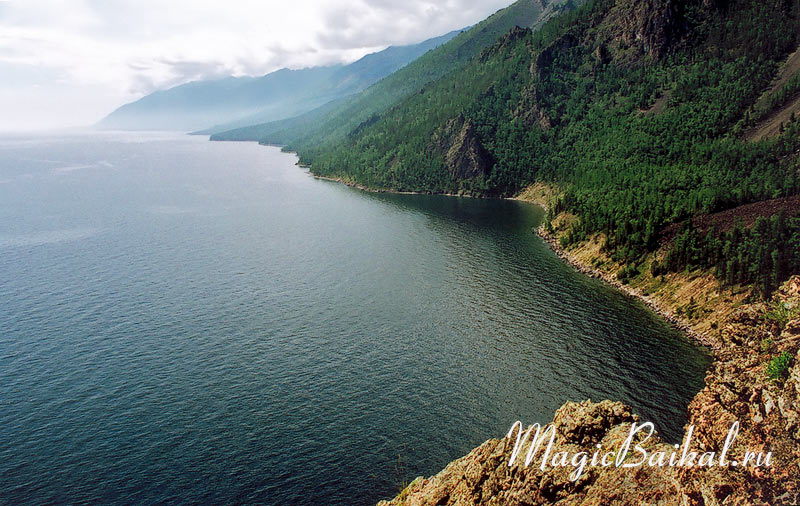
x,y
634,353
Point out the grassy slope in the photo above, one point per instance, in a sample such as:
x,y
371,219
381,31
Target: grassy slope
x,y
770,126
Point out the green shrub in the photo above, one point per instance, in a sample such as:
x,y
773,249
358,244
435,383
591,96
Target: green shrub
x,y
625,274
781,314
778,367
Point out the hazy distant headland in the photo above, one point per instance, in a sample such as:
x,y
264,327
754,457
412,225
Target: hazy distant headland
x,y
223,104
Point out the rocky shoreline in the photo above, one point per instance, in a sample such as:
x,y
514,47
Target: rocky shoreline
x,y
382,190
737,390
650,301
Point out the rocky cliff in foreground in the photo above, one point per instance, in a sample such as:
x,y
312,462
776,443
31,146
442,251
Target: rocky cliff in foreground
x,y
737,388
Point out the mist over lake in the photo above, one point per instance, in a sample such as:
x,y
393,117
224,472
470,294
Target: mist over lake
x,y
193,322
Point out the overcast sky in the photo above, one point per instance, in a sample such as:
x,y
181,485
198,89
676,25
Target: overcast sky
x,y
71,62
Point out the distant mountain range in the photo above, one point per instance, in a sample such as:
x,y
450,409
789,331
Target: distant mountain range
x,y
331,123
239,101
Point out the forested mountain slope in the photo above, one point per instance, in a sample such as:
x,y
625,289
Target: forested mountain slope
x,y
634,109
333,122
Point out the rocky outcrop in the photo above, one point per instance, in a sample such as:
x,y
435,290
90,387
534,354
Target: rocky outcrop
x,y
484,478
640,30
506,42
531,110
737,389
464,154
544,60
629,32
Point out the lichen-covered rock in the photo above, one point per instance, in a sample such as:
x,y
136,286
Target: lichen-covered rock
x,y
586,423
484,477
792,328
789,291
789,402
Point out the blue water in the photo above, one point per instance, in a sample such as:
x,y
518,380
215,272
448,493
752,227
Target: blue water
x,y
187,322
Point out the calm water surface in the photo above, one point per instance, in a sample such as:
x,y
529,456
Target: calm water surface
x,y
188,322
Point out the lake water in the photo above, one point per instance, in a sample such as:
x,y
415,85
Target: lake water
x,y
190,322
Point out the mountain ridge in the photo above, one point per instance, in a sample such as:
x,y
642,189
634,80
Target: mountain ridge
x,y
334,122
283,93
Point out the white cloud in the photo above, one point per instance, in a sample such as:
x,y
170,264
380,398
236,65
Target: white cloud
x,y
118,50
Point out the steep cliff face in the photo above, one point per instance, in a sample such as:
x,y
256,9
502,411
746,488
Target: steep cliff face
x,y
531,111
621,32
737,389
544,59
484,478
640,30
465,156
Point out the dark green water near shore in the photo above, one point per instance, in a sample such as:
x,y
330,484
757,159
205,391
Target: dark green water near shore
x,y
190,322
